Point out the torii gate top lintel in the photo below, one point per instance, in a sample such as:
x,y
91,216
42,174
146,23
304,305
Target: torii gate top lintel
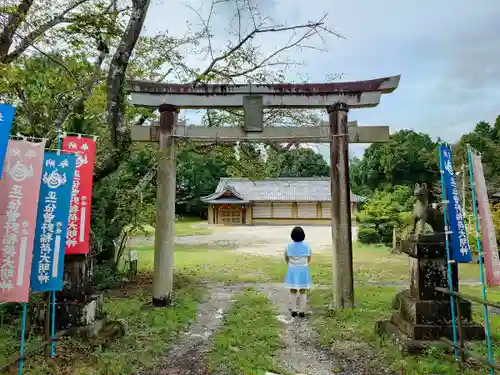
x,y
356,94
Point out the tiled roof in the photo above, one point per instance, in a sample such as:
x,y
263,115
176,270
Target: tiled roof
x,y
278,189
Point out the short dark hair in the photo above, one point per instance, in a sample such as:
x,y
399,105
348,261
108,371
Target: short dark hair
x,y
298,234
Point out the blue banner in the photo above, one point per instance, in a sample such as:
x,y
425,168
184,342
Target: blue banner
x,y
6,117
460,251
52,221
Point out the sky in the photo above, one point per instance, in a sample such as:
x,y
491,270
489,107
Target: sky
x,y
447,52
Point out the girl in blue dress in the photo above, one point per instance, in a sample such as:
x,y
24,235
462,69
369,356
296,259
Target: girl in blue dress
x,y
298,279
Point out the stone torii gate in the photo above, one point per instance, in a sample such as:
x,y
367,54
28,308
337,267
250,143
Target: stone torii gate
x,y
337,98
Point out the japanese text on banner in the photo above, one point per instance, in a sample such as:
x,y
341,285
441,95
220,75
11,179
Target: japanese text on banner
x,y
459,239
52,222
489,240
77,241
6,117
19,190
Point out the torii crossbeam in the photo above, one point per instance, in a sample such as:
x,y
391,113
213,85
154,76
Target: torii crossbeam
x,y
337,98
357,94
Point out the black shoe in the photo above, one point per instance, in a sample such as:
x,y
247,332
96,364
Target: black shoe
x,y
294,314
302,315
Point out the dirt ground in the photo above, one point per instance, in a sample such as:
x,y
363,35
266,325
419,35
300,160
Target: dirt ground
x,y
262,240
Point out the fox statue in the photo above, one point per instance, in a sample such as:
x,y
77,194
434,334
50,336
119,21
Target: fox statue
x,y
422,213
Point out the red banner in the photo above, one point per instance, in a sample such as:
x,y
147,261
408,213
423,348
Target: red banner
x,y
489,240
19,189
77,240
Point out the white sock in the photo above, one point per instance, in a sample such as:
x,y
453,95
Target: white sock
x,y
293,301
303,303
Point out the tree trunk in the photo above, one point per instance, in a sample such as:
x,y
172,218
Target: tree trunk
x,y
120,133
11,27
79,270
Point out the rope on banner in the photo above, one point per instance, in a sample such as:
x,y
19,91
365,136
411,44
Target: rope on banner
x,y
64,134
60,151
20,137
480,255
448,257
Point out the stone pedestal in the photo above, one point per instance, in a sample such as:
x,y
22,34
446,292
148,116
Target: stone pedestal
x,y
80,314
423,315
79,309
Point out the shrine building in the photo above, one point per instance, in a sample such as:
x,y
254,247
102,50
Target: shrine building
x,y
288,200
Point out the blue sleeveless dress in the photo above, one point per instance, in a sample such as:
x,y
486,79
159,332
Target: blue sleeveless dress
x,y
298,276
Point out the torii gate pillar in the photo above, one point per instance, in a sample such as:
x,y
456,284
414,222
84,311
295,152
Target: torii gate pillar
x,y
163,273
342,273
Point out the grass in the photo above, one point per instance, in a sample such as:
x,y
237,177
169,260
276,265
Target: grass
x,y
371,264
251,333
373,304
191,227
149,332
183,227
247,342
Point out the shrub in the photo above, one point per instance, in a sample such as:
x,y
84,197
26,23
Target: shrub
x,y
368,235
106,277
384,211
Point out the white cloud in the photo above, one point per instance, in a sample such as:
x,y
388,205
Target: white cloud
x,y
447,52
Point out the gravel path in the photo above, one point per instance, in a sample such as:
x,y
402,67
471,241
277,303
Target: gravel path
x,y
187,355
259,240
301,354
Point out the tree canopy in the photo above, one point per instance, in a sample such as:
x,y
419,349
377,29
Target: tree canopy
x,y
407,158
64,65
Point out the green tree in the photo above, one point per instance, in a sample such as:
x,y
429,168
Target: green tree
x,y
198,174
356,177
383,211
486,140
296,162
407,158
71,80
249,162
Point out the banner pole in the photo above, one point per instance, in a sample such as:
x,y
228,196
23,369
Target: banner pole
x,y
23,333
53,315
481,269
53,326
448,257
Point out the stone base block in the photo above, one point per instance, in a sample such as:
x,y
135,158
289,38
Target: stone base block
x,y
427,332
428,274
429,312
405,345
70,315
425,245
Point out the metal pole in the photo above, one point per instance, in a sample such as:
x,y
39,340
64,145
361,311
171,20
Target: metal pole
x,y
463,192
23,334
165,209
46,325
481,268
342,270
448,249
53,328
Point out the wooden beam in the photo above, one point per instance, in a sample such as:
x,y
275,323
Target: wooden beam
x,y
355,94
316,134
190,101
385,85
